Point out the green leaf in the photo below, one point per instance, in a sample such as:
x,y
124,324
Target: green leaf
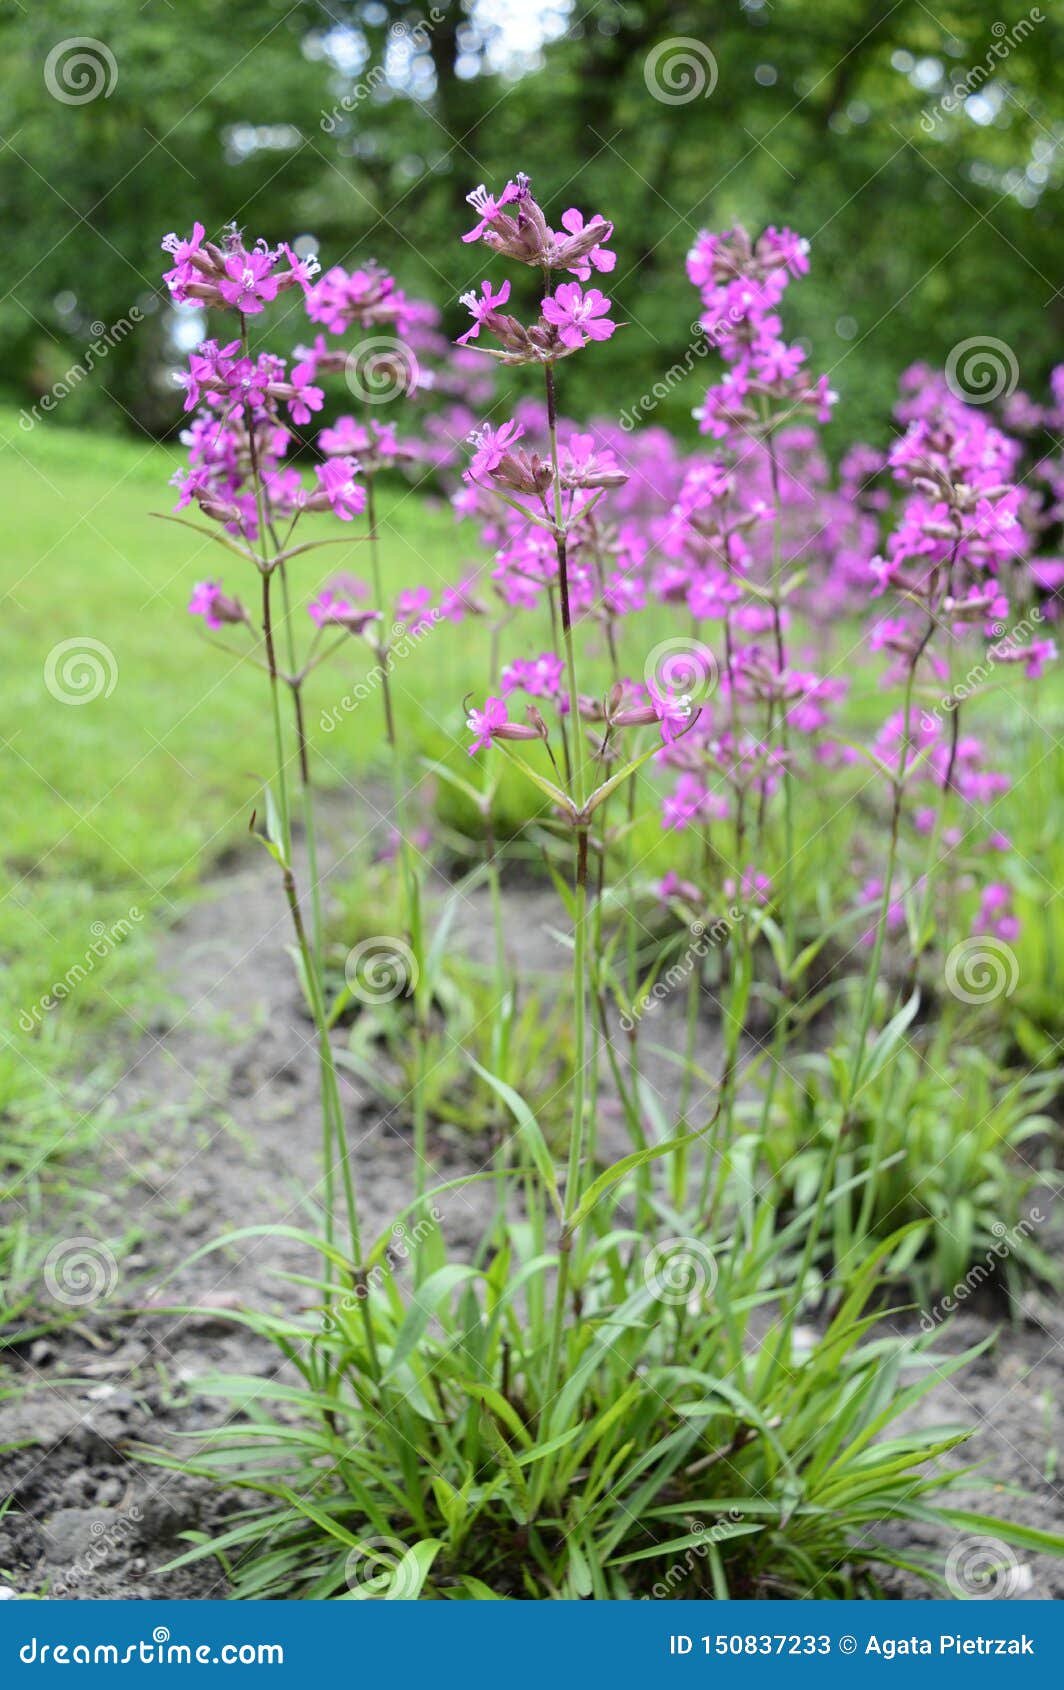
x,y
690,1540
601,793
890,1038
1025,1537
529,1131
499,1405
627,1165
465,787
274,829
426,1301
579,1570
479,1591
218,535
407,1577
554,793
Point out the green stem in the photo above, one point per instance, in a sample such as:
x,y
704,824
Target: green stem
x,y
309,831
780,1032
867,1005
333,1131
412,900
576,1135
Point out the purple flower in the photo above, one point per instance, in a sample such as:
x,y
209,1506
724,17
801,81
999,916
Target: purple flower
x,y
185,254
483,724
342,492
674,711
671,886
996,913
689,801
411,607
492,445
344,439
368,297
481,308
330,609
308,398
599,256
578,316
216,608
487,208
753,888
249,280
542,677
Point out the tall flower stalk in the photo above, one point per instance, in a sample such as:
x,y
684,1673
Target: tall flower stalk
x,y
562,490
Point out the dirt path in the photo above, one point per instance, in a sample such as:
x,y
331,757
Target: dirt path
x,y
228,1092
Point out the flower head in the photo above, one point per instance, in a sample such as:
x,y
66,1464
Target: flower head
x,y
249,281
492,445
598,256
336,480
578,316
487,209
331,609
482,308
541,677
484,724
216,607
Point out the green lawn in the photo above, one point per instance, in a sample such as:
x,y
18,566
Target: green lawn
x,y
111,809
118,802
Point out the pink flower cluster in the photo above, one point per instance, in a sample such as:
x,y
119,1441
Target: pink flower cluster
x,y
367,298
231,275
761,558
514,226
742,283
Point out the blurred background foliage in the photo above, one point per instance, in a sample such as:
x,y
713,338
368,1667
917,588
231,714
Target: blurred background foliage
x,y
361,126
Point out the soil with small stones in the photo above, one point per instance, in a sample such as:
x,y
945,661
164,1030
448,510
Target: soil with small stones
x,y
228,1089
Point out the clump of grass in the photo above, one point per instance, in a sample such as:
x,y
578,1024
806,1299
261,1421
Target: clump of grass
x,y
696,1448
957,1146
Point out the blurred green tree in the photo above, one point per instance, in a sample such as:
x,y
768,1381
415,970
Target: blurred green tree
x,y
919,149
